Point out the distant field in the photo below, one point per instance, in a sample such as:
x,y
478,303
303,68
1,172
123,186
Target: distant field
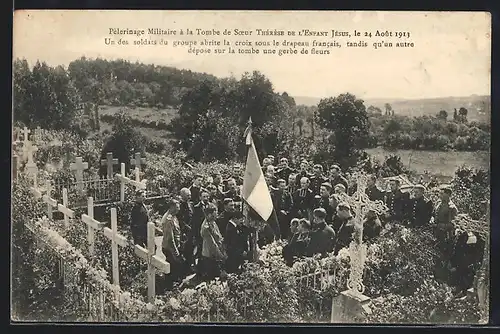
x,y
436,163
145,114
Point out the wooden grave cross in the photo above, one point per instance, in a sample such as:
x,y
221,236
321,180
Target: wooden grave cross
x,y
92,225
63,208
154,262
116,240
49,200
137,161
109,162
79,166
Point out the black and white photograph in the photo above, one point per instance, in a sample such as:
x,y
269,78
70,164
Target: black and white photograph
x,y
250,167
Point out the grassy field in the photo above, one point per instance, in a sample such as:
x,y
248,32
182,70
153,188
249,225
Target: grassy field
x,y
437,163
441,164
143,114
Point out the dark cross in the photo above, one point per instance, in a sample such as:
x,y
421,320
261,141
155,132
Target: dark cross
x,y
109,162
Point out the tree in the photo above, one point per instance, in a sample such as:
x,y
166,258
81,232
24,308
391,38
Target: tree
x,y
443,114
346,117
388,109
462,114
124,141
300,124
45,97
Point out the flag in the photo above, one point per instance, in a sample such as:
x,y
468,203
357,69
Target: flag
x,y
255,190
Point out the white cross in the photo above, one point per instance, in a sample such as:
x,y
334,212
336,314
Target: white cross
x,y
138,161
109,162
49,200
63,208
92,225
26,133
154,262
360,203
32,170
28,150
79,166
116,240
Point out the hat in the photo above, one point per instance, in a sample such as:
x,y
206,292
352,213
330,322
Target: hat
x,y
335,167
318,166
281,181
139,192
320,213
344,205
327,185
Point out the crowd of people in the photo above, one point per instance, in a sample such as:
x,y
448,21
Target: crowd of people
x,y
204,230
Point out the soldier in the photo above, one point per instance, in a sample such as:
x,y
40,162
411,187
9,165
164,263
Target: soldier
x,y
343,226
198,217
291,183
322,235
371,226
196,188
336,177
303,200
324,201
317,179
283,203
139,219
465,260
171,243
304,166
444,213
233,191
419,208
225,215
373,192
396,201
284,169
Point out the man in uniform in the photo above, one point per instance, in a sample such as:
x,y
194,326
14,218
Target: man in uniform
x,y
336,177
419,208
304,166
171,243
198,218
444,213
373,192
233,191
396,201
291,186
284,169
225,215
322,235
303,200
324,201
196,188
283,203
139,219
317,179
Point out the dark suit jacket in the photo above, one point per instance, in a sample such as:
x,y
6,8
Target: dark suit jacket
x,y
322,240
397,203
316,183
303,202
236,240
419,211
282,200
198,218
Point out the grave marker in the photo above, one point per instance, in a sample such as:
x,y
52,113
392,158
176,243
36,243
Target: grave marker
x,y
137,161
351,304
109,162
92,225
125,180
26,133
48,200
79,166
63,208
116,240
154,262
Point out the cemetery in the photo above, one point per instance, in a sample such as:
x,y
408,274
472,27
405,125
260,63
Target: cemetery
x,y
74,222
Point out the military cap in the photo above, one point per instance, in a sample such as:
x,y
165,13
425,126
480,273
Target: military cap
x,y
327,185
281,181
335,167
320,213
318,166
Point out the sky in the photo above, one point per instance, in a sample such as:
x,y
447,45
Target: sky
x,y
451,54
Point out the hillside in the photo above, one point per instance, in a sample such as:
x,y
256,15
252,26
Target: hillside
x,y
479,106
